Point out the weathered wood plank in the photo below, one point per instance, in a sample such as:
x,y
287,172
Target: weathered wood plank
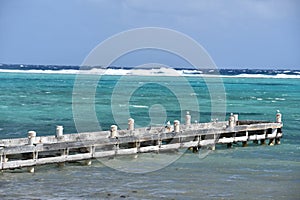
x,y
240,139
225,140
22,149
148,149
207,142
126,151
189,144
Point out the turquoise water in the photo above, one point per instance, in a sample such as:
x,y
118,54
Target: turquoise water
x,y
41,101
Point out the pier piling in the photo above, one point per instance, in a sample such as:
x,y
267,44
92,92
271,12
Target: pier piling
x,y
245,143
30,169
229,145
263,142
271,142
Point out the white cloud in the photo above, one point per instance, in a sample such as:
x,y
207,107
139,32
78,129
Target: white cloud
x,y
266,9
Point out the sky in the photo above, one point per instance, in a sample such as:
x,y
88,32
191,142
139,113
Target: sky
x,y
236,34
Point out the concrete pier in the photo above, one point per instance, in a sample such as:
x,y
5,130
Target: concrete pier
x,y
32,151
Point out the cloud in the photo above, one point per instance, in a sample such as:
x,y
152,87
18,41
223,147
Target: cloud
x,y
72,27
268,9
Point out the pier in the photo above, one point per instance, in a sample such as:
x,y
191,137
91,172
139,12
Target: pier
x,y
35,150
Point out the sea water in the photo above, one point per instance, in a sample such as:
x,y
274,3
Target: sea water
x,y
41,101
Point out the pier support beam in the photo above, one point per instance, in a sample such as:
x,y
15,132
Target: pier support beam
x,y
229,145
1,158
212,147
63,153
263,142
245,143
277,140
271,142
31,141
195,149
30,169
138,144
61,164
88,162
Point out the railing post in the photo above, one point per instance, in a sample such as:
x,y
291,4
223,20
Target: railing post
x,y
1,158
188,118
278,117
59,131
176,126
231,121
168,126
113,131
236,118
130,124
31,137
31,141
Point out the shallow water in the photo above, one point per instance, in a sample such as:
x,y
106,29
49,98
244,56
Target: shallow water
x,y
41,101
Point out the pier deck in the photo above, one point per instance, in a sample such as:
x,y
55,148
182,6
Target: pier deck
x,y
33,150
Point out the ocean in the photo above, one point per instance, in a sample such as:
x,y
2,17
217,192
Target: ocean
x,y
41,98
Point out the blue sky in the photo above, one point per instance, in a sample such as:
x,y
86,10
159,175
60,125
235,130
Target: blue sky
x,y
237,34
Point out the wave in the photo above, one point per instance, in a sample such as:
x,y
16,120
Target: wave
x,y
157,71
139,106
266,76
37,71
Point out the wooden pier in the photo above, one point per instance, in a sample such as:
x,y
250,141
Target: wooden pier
x,y
59,148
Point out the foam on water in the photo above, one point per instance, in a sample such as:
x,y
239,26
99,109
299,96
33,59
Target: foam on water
x,y
39,71
158,71
264,76
139,106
